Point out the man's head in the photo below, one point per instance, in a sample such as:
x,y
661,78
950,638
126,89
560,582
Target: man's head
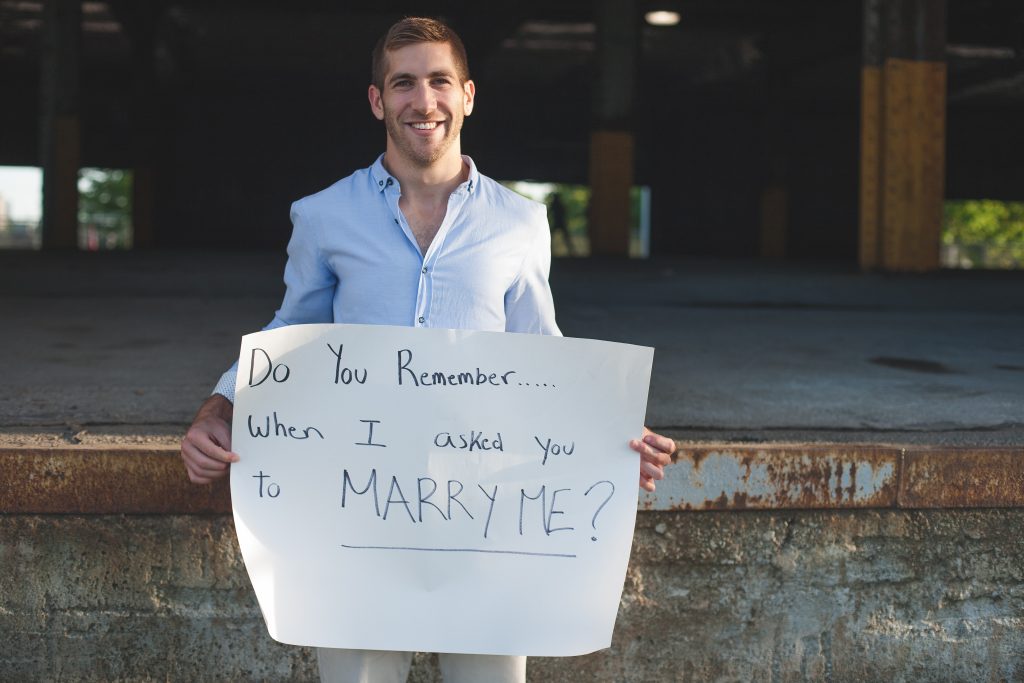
x,y
422,93
413,30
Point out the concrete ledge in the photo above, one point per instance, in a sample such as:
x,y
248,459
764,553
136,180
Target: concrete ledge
x,y
151,480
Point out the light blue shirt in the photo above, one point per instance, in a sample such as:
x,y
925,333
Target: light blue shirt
x,y
353,258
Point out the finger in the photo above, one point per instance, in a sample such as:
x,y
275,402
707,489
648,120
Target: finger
x,y
659,442
650,454
209,447
198,476
197,479
199,462
646,484
651,470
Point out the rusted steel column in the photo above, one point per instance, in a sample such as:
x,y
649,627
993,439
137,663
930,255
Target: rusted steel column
x,y
59,127
611,139
903,128
870,255
775,194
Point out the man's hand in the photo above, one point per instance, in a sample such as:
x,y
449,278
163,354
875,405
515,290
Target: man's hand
x,y
206,448
655,452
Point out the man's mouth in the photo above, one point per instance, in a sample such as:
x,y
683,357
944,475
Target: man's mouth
x,y
424,125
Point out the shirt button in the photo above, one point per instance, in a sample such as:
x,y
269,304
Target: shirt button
x,y
422,319
380,182
424,269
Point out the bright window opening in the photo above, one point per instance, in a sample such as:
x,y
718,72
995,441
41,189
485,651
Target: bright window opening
x,y
567,216
21,207
104,209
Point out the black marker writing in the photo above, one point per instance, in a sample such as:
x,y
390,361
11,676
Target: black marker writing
x,y
491,497
400,499
345,375
455,497
273,490
369,436
471,442
425,500
457,550
554,449
279,372
439,378
281,429
593,520
546,512
346,484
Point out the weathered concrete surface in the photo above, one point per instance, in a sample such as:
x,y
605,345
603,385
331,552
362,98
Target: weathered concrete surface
x,y
745,351
860,595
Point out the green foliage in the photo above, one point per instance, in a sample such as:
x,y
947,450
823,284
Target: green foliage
x,y
104,208
984,233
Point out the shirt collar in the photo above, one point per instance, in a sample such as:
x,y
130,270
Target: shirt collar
x,y
382,179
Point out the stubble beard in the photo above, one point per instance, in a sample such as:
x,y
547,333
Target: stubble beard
x,y
418,155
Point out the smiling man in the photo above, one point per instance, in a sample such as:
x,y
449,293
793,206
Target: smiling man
x,y
419,239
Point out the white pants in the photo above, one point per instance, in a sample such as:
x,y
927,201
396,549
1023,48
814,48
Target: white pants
x,y
383,666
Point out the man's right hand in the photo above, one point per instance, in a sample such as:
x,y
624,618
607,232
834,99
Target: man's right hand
x,y
206,448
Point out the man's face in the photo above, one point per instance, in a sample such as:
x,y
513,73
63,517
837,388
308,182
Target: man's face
x,y
423,103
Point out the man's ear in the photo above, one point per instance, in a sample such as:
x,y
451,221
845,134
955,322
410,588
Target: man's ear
x,y
469,97
376,103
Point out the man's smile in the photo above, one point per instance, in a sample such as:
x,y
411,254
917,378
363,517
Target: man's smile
x,y
425,125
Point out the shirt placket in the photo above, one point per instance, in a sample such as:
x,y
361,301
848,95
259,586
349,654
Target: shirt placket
x,y
425,291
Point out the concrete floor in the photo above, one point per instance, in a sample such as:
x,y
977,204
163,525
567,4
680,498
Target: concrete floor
x,y
124,346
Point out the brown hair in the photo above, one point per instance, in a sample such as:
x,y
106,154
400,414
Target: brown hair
x,y
413,30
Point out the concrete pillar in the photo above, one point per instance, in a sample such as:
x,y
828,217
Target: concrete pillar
x,y
59,126
611,139
149,117
903,130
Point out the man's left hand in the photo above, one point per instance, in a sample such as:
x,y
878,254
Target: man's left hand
x,y
655,452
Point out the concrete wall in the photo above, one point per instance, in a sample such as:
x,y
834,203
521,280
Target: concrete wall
x,y
783,595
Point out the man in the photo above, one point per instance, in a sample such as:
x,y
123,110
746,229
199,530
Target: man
x,y
418,239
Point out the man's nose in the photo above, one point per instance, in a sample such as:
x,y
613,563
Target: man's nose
x,y
425,100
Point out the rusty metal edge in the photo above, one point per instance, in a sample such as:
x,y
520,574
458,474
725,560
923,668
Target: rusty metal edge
x,y
962,477
104,480
95,480
780,476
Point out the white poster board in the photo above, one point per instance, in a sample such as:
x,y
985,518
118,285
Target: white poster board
x,y
437,490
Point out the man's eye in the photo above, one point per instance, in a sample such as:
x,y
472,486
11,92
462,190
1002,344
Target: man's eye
x,y
404,83
442,81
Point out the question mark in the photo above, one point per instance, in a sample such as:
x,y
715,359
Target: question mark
x,y
593,521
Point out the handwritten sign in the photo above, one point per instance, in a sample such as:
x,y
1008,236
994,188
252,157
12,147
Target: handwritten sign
x,y
437,490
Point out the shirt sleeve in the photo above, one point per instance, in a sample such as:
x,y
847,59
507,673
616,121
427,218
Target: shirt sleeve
x,y
529,306
309,286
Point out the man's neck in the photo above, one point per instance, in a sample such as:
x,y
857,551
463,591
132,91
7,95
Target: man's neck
x,y
433,183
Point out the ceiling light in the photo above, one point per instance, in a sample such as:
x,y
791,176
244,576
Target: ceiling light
x,y
662,18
